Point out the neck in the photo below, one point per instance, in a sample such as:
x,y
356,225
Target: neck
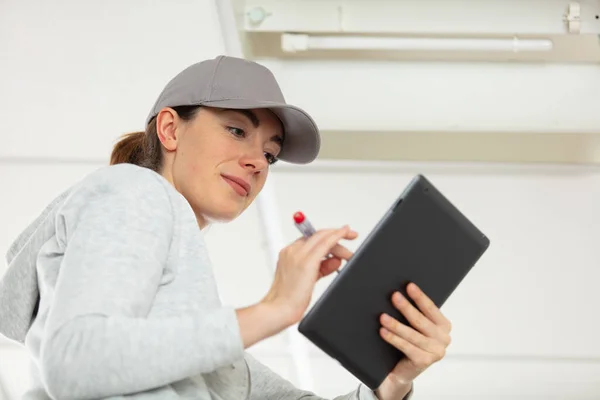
x,y
202,221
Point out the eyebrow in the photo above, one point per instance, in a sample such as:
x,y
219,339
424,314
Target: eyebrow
x,y
256,123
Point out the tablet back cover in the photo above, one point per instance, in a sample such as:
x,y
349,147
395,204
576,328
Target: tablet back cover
x,y
423,239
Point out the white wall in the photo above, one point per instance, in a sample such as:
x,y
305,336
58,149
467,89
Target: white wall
x,y
425,96
91,70
524,320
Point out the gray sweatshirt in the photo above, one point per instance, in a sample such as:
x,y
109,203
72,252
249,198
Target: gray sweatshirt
x,y
112,292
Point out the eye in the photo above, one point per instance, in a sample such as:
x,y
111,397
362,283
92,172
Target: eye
x,y
236,131
271,159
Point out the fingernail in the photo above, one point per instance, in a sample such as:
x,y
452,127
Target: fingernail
x,y
398,297
386,318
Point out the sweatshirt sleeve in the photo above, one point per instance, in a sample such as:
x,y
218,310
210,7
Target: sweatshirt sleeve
x,y
99,339
267,385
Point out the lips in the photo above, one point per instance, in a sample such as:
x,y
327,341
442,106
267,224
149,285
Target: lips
x,y
241,186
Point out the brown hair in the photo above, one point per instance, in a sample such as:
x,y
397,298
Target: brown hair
x,y
144,148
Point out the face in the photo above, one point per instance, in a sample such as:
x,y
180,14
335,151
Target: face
x,y
219,161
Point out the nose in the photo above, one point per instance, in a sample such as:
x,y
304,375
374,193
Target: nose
x,y
254,159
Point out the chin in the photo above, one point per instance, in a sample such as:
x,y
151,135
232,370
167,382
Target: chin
x,y
223,213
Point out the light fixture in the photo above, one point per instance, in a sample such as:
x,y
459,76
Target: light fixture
x,y
291,42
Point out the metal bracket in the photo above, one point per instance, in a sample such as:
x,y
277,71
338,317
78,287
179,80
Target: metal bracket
x,y
257,15
573,18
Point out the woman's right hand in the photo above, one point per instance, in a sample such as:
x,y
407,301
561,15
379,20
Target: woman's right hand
x,y
301,264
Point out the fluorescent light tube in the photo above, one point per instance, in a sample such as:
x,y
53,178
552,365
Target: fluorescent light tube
x,y
302,42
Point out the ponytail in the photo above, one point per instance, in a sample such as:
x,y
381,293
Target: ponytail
x,y
129,149
139,148
144,148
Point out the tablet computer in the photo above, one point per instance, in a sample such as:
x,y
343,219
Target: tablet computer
x,y
422,238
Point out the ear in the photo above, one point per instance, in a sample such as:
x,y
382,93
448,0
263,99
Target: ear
x,y
166,128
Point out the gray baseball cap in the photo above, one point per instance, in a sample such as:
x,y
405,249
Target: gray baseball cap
x,y
236,83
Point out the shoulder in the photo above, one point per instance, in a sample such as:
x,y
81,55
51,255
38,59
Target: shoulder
x,y
124,176
119,198
124,180
128,186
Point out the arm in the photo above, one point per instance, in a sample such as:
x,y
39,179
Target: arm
x,y
99,340
267,385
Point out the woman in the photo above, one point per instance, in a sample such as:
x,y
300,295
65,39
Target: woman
x,y
111,289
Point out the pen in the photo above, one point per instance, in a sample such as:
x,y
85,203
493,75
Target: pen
x,y
303,224
306,228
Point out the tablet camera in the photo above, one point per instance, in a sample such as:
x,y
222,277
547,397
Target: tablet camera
x,y
397,204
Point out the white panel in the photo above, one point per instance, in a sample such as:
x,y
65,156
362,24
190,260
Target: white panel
x,y
76,75
520,379
451,379
536,283
444,96
470,17
422,17
478,378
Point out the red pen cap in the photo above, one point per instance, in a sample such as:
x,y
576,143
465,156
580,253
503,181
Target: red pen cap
x,y
299,217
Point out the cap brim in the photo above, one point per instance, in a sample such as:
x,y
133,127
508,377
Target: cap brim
x,y
302,140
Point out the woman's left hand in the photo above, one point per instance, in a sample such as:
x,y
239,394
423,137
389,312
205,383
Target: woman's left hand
x,y
423,345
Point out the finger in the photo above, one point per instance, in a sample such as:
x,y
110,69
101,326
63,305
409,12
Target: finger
x,y
329,266
317,237
326,245
416,319
301,247
421,359
341,252
321,242
428,307
351,235
409,334
320,234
